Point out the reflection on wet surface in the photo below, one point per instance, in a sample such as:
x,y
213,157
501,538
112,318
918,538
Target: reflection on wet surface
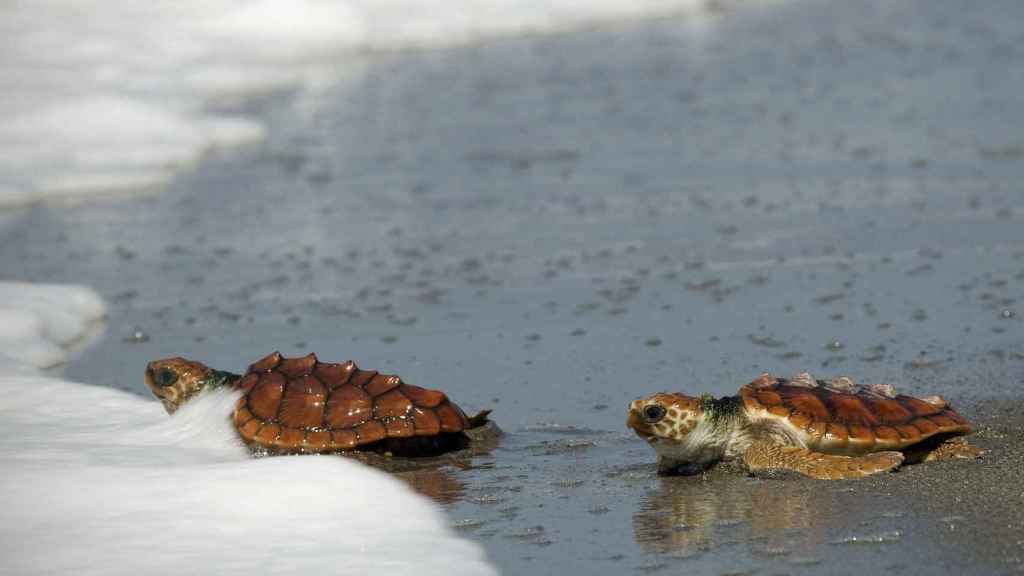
x,y
438,477
438,484
691,515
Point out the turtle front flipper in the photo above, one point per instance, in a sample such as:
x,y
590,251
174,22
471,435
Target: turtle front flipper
x,y
769,455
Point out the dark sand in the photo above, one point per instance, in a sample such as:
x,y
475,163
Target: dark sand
x,y
554,226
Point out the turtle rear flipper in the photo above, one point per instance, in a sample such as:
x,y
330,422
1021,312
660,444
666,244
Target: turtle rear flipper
x,y
956,447
478,419
942,448
769,455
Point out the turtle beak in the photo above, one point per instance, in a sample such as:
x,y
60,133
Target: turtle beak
x,y
635,421
150,383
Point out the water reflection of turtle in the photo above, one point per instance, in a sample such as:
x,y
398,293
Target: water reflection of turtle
x,y
686,518
826,430
302,405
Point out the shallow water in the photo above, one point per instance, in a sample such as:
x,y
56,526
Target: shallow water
x,y
553,226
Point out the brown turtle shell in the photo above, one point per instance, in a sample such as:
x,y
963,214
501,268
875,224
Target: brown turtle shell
x,y
840,417
304,405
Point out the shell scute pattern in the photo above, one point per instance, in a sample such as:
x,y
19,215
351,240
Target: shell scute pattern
x,y
842,415
391,404
265,364
400,428
370,431
887,434
266,396
301,404
290,437
836,433
315,440
451,420
360,378
800,420
347,407
926,426
917,406
381,383
908,432
888,411
268,434
424,397
850,408
247,424
425,421
344,439
247,383
768,398
808,405
295,367
861,433
334,375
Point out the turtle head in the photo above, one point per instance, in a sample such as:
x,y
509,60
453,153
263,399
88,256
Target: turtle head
x,y
682,429
174,380
665,417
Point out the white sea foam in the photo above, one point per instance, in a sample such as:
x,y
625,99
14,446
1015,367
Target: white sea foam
x,y
106,97
99,481
39,322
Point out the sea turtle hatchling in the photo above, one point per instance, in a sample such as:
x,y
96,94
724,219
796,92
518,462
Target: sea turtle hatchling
x,y
827,430
302,405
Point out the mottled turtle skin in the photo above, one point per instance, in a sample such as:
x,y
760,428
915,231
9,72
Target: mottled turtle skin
x,y
302,405
823,429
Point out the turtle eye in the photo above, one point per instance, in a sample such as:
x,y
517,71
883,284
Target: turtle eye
x,y
653,413
165,377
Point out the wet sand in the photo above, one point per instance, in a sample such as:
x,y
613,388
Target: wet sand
x,y
553,226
